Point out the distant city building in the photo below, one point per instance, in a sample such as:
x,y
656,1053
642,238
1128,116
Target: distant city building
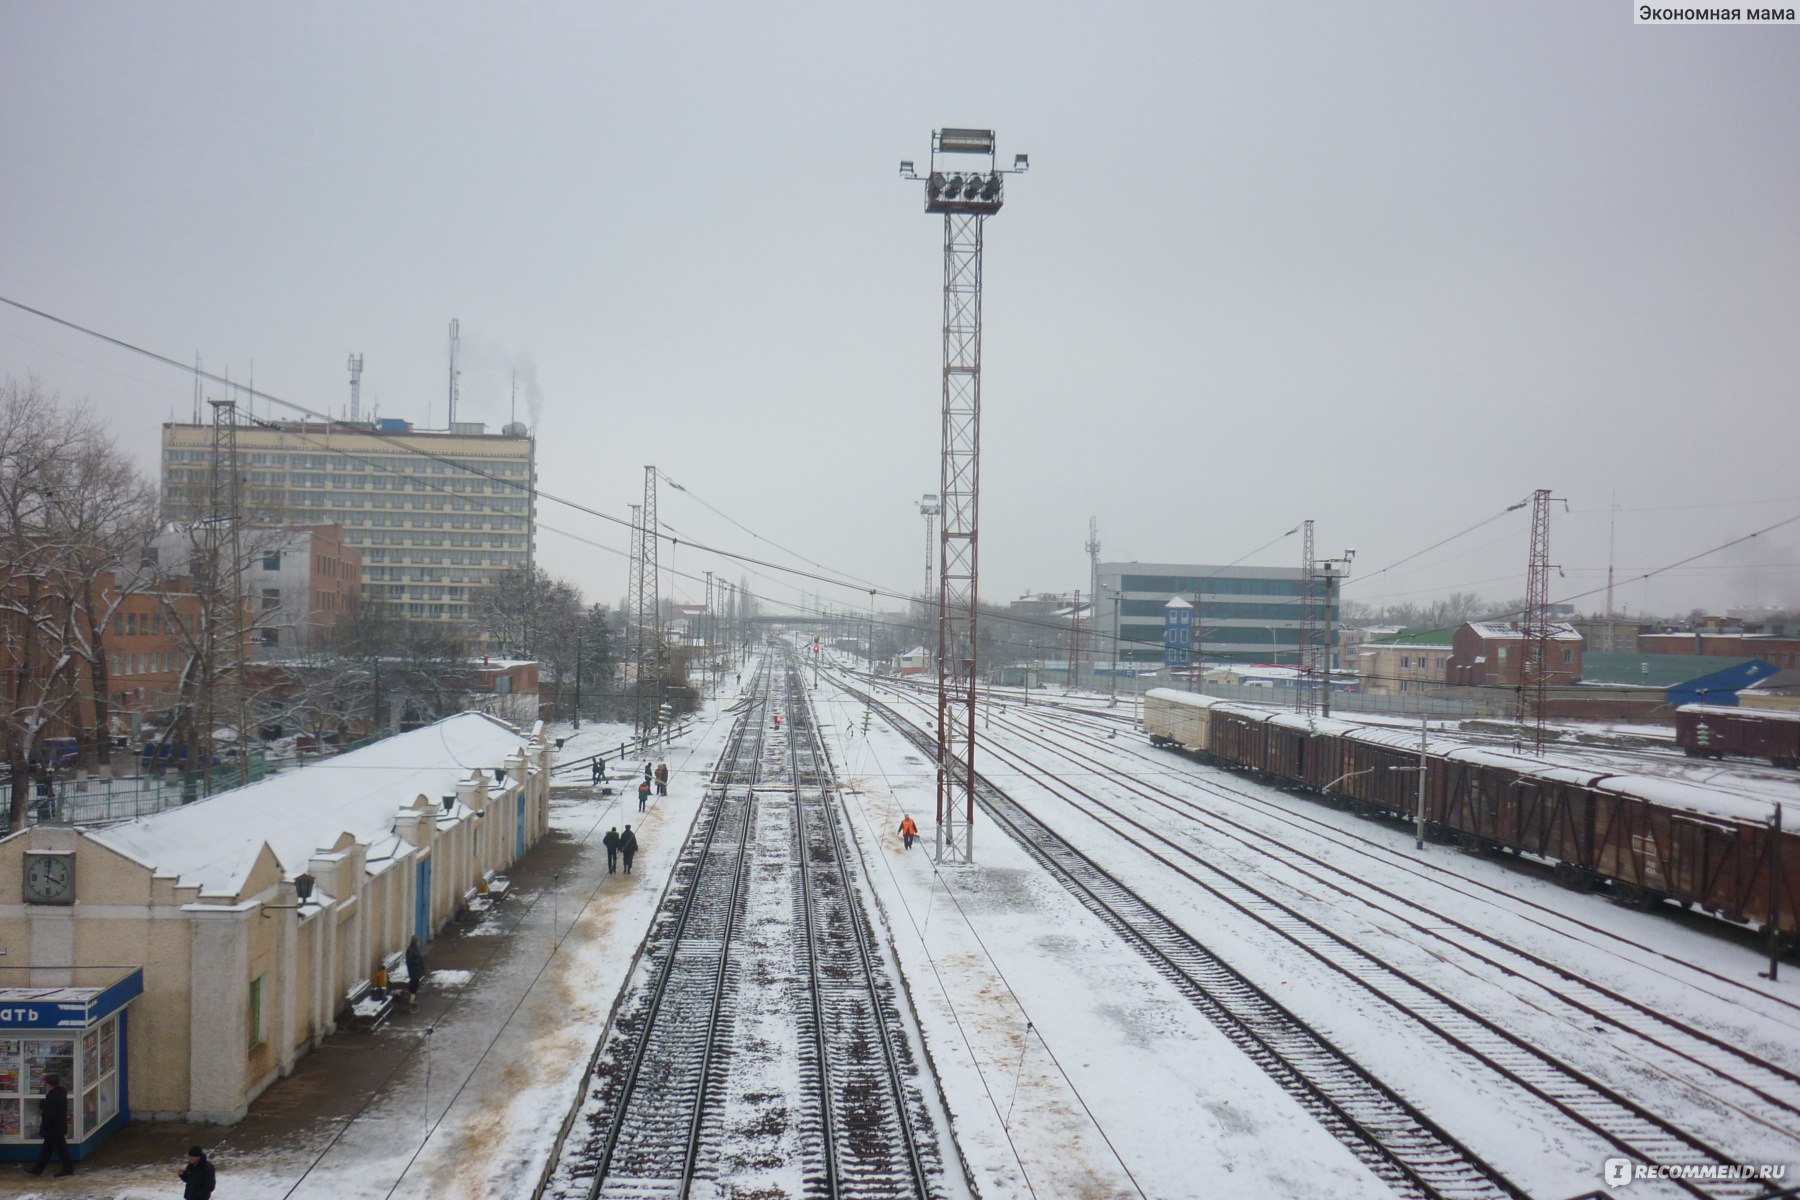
x,y
298,581
435,515
1407,662
1491,654
1778,651
1781,690
1247,614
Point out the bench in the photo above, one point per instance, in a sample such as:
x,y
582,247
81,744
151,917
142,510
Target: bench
x,y
498,886
370,1005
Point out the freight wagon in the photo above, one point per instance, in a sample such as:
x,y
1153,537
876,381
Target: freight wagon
x,y
1646,839
1713,731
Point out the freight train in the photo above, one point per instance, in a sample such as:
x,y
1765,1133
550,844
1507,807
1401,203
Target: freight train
x,y
1713,731
1646,839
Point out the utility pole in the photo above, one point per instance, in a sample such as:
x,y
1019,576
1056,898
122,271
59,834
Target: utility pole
x,y
965,198
578,637
228,506
1309,623
1092,547
1330,571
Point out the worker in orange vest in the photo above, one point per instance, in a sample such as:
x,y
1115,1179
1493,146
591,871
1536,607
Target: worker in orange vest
x,y
908,831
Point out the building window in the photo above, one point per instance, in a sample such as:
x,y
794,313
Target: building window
x,y
271,598
1568,657
272,560
258,1026
271,637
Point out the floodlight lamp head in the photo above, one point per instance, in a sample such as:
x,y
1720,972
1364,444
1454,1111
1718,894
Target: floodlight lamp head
x,y
906,168
972,187
965,141
1021,162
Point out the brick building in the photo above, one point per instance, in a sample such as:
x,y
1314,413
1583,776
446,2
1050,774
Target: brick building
x,y
1492,653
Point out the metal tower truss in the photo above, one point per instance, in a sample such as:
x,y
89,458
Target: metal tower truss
x,y
1310,675
648,603
1534,624
965,197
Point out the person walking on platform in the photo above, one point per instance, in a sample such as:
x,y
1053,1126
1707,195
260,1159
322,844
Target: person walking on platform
x,y
53,1127
198,1177
908,831
415,972
662,779
643,794
611,842
599,769
628,847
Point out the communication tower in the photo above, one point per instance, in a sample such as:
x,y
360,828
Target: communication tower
x,y
455,346
964,185
356,387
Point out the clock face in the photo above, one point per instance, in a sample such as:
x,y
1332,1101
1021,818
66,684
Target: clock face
x,y
49,878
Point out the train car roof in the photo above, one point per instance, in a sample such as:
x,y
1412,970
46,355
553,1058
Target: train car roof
x,y
1691,797
1193,699
1314,724
1773,714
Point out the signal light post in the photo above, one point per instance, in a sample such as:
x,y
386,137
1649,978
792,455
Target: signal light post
x,y
965,197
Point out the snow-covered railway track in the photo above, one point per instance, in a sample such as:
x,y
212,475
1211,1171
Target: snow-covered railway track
x,y
1733,1075
1397,1142
873,1148
1582,1099
765,1044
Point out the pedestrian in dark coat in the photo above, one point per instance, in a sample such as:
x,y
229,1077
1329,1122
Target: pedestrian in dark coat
x,y
611,842
198,1175
599,769
53,1127
415,972
662,779
646,772
628,847
643,794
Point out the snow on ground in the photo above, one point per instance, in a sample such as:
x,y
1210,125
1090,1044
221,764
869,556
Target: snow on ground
x,y
1514,1131
1070,1067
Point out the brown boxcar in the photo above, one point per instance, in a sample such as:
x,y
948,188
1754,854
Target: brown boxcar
x,y
1743,732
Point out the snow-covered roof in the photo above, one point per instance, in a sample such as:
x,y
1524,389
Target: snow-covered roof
x,y
1560,631
1761,714
1178,602
216,842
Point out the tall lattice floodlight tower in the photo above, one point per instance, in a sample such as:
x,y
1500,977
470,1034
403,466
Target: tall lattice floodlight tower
x,y
634,591
1309,623
1534,624
647,604
964,185
928,508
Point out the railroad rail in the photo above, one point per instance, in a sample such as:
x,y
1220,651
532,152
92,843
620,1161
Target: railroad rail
x,y
1397,1142
1739,1078
765,994
1766,1095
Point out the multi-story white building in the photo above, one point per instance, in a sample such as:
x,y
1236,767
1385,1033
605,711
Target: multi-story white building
x,y
1250,614
435,515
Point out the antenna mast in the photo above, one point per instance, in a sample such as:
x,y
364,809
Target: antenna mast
x,y
356,387
455,345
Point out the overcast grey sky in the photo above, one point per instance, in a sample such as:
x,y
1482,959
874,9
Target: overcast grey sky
x,y
1390,266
